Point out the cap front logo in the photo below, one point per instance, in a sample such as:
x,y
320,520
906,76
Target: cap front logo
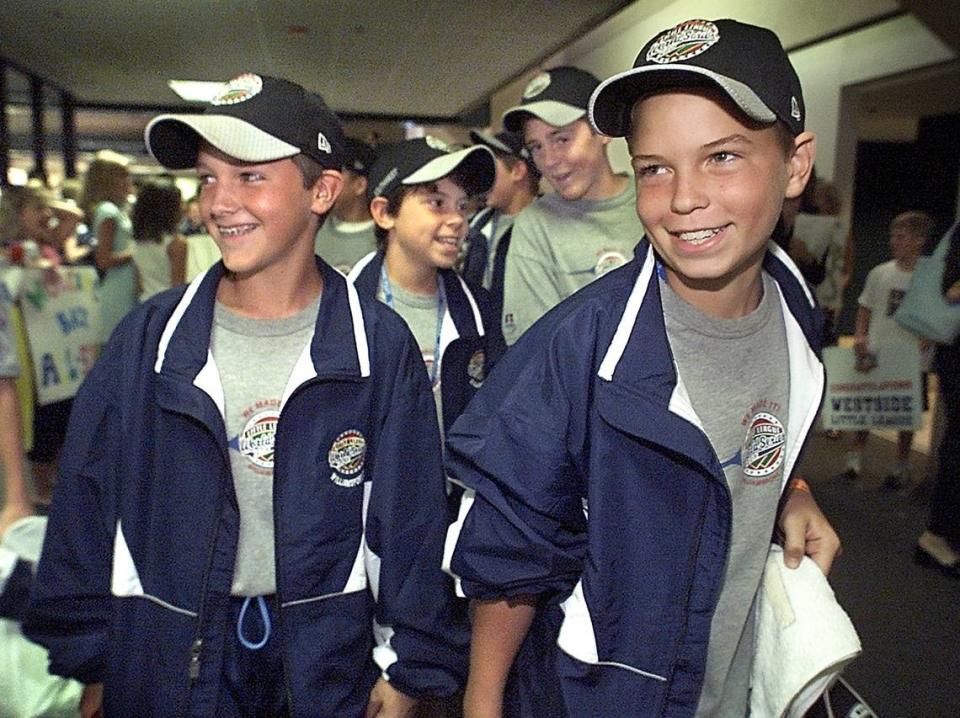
x,y
686,40
323,144
239,89
794,109
436,143
537,85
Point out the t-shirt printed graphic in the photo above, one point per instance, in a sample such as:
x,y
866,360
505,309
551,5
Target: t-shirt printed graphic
x,y
255,440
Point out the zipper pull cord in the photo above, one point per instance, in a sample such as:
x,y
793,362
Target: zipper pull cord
x,y
264,614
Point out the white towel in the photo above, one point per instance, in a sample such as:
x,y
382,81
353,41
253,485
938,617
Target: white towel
x,y
803,640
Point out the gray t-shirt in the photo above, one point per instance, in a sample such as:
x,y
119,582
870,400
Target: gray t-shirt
x,y
420,312
736,373
343,244
559,246
255,358
9,364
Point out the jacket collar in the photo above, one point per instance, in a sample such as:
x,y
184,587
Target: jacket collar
x,y
463,314
338,347
638,363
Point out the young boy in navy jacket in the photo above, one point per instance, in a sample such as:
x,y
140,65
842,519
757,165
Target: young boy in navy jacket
x,y
420,194
250,513
631,456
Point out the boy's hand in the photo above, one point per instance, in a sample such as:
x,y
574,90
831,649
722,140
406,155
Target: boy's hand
x,y
91,701
806,531
387,702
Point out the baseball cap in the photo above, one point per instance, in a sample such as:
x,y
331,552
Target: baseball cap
x,y
558,97
254,118
427,159
508,143
746,62
358,156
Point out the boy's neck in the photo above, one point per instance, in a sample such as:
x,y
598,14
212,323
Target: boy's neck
x,y
517,202
276,297
607,186
412,277
721,298
354,212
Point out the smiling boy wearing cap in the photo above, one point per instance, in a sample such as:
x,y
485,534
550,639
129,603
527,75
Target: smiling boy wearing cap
x,y
419,194
588,226
629,460
231,530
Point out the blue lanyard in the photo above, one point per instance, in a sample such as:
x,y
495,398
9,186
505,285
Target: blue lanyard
x,y
441,310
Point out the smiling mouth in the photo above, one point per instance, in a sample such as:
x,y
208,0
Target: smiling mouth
x,y
699,236
236,231
448,241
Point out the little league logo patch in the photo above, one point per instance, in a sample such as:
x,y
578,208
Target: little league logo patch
x,y
537,85
607,260
256,440
764,448
239,89
346,457
686,40
476,368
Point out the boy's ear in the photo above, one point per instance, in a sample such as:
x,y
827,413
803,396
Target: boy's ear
x,y
378,210
326,190
519,171
800,164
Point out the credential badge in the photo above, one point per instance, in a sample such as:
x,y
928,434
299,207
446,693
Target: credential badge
x,y
239,89
686,40
346,457
477,369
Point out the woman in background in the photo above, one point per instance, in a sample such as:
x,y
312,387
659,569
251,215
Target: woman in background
x,y
104,200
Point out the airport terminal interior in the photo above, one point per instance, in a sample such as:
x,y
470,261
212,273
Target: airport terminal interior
x,y
881,82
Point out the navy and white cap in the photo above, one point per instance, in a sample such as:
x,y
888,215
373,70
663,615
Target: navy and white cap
x,y
427,159
358,156
558,97
746,62
508,143
254,118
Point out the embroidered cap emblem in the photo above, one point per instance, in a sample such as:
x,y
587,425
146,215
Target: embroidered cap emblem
x,y
436,143
323,144
537,85
239,89
794,108
346,457
686,40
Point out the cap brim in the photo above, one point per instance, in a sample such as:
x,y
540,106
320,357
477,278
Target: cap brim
x,y
552,112
173,140
479,137
478,161
610,104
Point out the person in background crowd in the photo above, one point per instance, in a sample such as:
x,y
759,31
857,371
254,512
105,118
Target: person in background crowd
x,y
159,252
876,329
348,233
939,545
564,240
106,189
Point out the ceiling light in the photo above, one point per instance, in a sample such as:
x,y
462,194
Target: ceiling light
x,y
195,90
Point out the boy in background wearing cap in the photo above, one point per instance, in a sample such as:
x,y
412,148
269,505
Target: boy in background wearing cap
x,y
516,185
419,197
563,241
347,235
629,460
250,515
